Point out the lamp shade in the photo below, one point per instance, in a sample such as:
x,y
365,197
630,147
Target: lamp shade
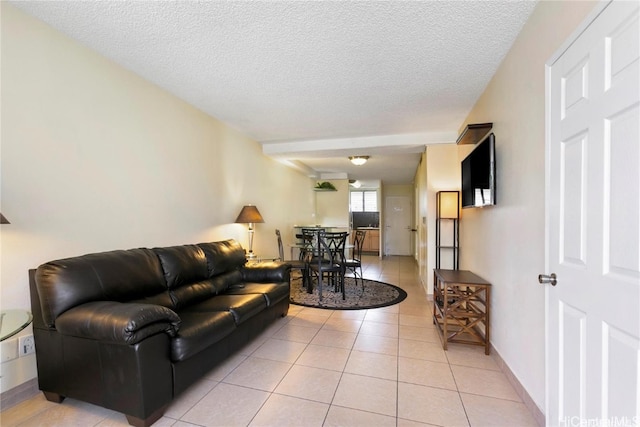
x,y
249,214
448,207
3,220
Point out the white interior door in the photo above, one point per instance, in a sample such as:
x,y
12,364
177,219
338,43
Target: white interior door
x,y
397,230
593,224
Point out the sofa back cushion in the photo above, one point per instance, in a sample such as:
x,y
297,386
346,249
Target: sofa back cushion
x,y
108,276
186,272
223,256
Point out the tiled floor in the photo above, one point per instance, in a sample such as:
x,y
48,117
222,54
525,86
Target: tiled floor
x,y
382,367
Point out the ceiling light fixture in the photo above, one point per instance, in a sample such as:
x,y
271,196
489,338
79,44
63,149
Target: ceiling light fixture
x,y
358,160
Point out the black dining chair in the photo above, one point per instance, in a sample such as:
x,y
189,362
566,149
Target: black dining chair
x,y
329,260
296,264
355,263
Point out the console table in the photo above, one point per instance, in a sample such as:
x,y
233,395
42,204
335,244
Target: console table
x,y
461,307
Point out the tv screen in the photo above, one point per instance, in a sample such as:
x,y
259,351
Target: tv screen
x,y
479,175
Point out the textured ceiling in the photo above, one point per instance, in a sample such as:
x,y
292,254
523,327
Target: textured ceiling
x,y
310,71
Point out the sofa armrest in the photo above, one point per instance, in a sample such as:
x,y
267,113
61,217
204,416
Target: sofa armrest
x,y
266,272
117,322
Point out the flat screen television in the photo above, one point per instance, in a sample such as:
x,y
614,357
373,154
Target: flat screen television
x,y
479,175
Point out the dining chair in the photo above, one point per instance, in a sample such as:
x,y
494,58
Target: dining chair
x,y
296,264
329,260
354,264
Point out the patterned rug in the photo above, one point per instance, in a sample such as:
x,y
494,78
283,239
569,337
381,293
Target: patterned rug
x,y
375,294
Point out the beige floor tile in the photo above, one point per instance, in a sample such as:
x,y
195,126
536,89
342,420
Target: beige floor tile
x,y
409,423
379,329
430,405
320,356
227,405
367,394
423,350
182,424
375,344
297,333
372,365
349,314
419,333
381,317
334,338
344,325
190,397
310,383
416,309
484,382
388,309
261,374
308,320
425,372
316,312
253,345
470,355
346,417
280,350
289,411
488,411
222,370
420,321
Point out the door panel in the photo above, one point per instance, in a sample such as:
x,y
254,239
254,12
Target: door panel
x,y
397,231
593,241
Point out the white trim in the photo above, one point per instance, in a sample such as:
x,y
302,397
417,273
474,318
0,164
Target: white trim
x,y
597,10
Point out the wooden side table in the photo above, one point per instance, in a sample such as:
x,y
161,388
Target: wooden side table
x,y
461,307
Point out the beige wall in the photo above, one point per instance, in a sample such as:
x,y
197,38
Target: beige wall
x,y
505,243
332,207
95,158
443,173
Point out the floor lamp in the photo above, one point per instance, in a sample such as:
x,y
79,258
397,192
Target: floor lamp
x,y
249,215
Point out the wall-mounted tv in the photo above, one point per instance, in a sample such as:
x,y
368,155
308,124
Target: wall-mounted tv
x,y
479,175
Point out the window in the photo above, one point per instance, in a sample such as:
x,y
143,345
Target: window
x,y
364,201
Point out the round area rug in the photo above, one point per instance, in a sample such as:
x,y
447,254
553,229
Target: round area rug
x,y
376,294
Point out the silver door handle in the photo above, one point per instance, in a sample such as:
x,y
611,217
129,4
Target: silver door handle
x,y
551,278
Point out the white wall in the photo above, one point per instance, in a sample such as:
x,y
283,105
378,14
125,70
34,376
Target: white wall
x,y
95,158
505,243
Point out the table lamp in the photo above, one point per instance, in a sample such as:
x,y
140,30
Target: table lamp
x,y
249,215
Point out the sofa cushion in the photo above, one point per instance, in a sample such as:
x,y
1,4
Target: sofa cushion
x,y
223,256
113,276
223,281
199,330
242,307
185,270
182,265
272,292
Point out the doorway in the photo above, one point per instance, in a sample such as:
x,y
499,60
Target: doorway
x,y
397,225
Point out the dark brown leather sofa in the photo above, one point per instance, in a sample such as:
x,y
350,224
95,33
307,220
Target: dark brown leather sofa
x,y
129,330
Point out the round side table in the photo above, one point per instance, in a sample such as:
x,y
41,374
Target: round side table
x,y
12,322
